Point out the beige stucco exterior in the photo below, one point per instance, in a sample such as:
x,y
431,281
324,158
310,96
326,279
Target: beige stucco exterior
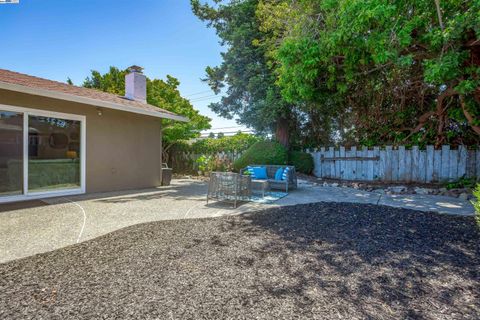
x,y
123,149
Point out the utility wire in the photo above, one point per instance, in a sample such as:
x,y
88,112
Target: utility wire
x,y
209,96
205,99
226,128
197,93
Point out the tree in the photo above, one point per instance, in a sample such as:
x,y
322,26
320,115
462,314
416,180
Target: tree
x,y
245,73
160,93
211,135
388,71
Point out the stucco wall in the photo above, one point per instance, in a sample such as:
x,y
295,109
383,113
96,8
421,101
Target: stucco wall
x,y
123,148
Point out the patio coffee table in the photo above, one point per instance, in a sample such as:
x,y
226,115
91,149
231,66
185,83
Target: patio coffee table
x,y
260,185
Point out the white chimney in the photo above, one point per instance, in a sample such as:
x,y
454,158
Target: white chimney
x,y
136,84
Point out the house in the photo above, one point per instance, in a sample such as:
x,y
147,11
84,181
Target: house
x,y
58,139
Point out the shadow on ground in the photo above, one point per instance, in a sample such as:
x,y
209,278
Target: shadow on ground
x,y
323,260
374,260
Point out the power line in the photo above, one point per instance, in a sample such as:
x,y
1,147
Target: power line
x,y
205,98
197,93
227,132
233,127
212,95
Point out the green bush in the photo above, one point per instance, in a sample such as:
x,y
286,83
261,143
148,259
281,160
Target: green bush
x,y
302,161
236,143
476,203
205,164
262,152
461,183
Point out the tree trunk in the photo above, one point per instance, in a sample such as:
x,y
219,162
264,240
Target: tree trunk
x,y
282,132
439,14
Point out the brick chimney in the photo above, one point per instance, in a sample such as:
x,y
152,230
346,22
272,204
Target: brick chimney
x,y
136,84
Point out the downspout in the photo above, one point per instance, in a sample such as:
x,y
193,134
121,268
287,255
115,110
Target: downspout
x,y
161,153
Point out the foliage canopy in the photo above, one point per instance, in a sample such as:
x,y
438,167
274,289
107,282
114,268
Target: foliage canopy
x,y
394,71
351,71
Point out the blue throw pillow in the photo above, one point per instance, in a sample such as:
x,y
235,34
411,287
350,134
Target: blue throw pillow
x,y
279,174
251,171
285,173
260,173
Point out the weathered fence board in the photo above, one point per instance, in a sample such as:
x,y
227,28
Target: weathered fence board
x,y
429,176
399,164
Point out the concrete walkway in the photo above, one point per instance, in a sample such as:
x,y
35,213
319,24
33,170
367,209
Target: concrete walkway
x,y
308,193
31,228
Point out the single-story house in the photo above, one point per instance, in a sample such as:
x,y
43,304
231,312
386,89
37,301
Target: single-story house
x,y
58,139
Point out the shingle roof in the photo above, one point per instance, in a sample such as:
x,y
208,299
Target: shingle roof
x,y
90,95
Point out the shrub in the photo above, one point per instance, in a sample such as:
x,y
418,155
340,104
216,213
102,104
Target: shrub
x,y
205,164
262,152
461,183
236,143
476,203
302,161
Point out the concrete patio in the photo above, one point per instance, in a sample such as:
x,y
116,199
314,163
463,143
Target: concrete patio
x,y
30,228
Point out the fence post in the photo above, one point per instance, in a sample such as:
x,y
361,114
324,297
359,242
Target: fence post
x,y
376,163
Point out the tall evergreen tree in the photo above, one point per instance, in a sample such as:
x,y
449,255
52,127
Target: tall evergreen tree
x,y
245,73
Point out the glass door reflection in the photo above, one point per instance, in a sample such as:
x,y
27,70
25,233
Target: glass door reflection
x,y
53,154
11,153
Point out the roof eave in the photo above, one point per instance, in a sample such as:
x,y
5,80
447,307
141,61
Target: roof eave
x,y
89,101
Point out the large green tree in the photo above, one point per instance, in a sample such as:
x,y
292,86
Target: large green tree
x,y
160,93
398,71
245,72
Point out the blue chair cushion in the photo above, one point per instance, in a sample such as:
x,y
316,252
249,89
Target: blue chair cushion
x,y
285,173
279,174
260,173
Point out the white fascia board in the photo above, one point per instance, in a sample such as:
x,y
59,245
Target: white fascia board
x,y
90,101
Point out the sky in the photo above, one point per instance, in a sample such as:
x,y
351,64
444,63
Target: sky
x,y
57,39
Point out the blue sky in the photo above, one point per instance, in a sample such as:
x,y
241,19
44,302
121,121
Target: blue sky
x,y
56,39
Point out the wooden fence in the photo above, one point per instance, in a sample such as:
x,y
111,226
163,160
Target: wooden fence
x,y
397,164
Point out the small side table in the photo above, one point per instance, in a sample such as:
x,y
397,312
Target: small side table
x,y
260,185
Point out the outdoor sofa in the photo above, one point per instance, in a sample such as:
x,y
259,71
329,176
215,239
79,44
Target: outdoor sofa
x,y
290,181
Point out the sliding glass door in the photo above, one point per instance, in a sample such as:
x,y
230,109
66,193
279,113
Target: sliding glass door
x,y
41,153
53,154
11,153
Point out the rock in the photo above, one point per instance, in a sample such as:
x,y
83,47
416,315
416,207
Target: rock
x,y
463,196
423,190
334,184
398,189
442,190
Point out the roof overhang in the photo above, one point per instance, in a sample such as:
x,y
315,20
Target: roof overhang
x,y
89,101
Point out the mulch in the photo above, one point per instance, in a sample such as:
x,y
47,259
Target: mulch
x,y
315,261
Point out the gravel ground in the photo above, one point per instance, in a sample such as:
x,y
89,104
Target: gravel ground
x,y
318,261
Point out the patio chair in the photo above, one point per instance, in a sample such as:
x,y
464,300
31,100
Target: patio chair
x,y
289,183
229,186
